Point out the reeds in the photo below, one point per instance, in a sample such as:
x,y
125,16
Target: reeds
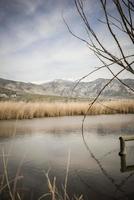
x,y
22,110
9,186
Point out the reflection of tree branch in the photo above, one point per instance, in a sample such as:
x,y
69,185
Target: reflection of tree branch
x,y
104,172
123,182
108,153
93,188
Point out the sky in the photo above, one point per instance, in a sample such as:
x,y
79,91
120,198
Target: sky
x,y
36,46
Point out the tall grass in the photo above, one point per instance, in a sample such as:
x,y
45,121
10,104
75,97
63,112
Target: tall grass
x,y
23,110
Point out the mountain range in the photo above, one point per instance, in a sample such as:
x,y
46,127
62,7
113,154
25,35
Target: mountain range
x,y
10,88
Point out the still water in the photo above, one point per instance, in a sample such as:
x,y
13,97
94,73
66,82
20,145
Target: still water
x,y
31,148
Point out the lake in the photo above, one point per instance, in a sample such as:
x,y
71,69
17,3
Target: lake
x,y
30,149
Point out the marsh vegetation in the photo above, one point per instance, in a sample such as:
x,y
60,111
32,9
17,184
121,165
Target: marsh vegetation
x,y
22,110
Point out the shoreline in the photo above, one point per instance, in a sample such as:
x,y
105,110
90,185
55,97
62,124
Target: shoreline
x,y
30,110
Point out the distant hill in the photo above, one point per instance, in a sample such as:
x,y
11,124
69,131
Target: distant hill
x,y
65,88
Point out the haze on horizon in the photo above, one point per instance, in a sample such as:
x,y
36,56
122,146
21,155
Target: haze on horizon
x,y
37,47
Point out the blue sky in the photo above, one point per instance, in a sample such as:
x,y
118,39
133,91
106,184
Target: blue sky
x,y
35,45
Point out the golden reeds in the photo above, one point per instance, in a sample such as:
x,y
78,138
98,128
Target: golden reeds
x,y
23,110
10,186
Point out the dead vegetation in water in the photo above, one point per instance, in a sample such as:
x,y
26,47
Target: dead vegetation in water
x,y
22,110
10,189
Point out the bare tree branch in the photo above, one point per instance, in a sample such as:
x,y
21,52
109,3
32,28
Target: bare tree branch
x,y
96,98
122,21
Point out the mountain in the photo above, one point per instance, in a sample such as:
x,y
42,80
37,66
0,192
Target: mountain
x,y
67,88
89,89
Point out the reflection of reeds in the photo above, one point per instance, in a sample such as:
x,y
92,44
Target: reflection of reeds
x,y
53,190
6,176
10,186
23,110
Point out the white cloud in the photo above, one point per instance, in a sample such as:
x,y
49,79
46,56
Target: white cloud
x,y
42,48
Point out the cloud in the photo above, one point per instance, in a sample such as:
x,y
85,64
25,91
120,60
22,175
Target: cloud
x,y
36,45
56,59
24,34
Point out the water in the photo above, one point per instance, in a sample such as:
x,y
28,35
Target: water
x,y
34,147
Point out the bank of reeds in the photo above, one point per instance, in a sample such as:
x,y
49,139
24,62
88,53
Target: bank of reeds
x,y
22,110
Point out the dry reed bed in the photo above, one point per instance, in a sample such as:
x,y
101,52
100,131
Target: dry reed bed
x,y
23,110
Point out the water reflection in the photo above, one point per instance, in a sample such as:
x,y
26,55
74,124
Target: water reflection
x,y
124,167
94,166
110,178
